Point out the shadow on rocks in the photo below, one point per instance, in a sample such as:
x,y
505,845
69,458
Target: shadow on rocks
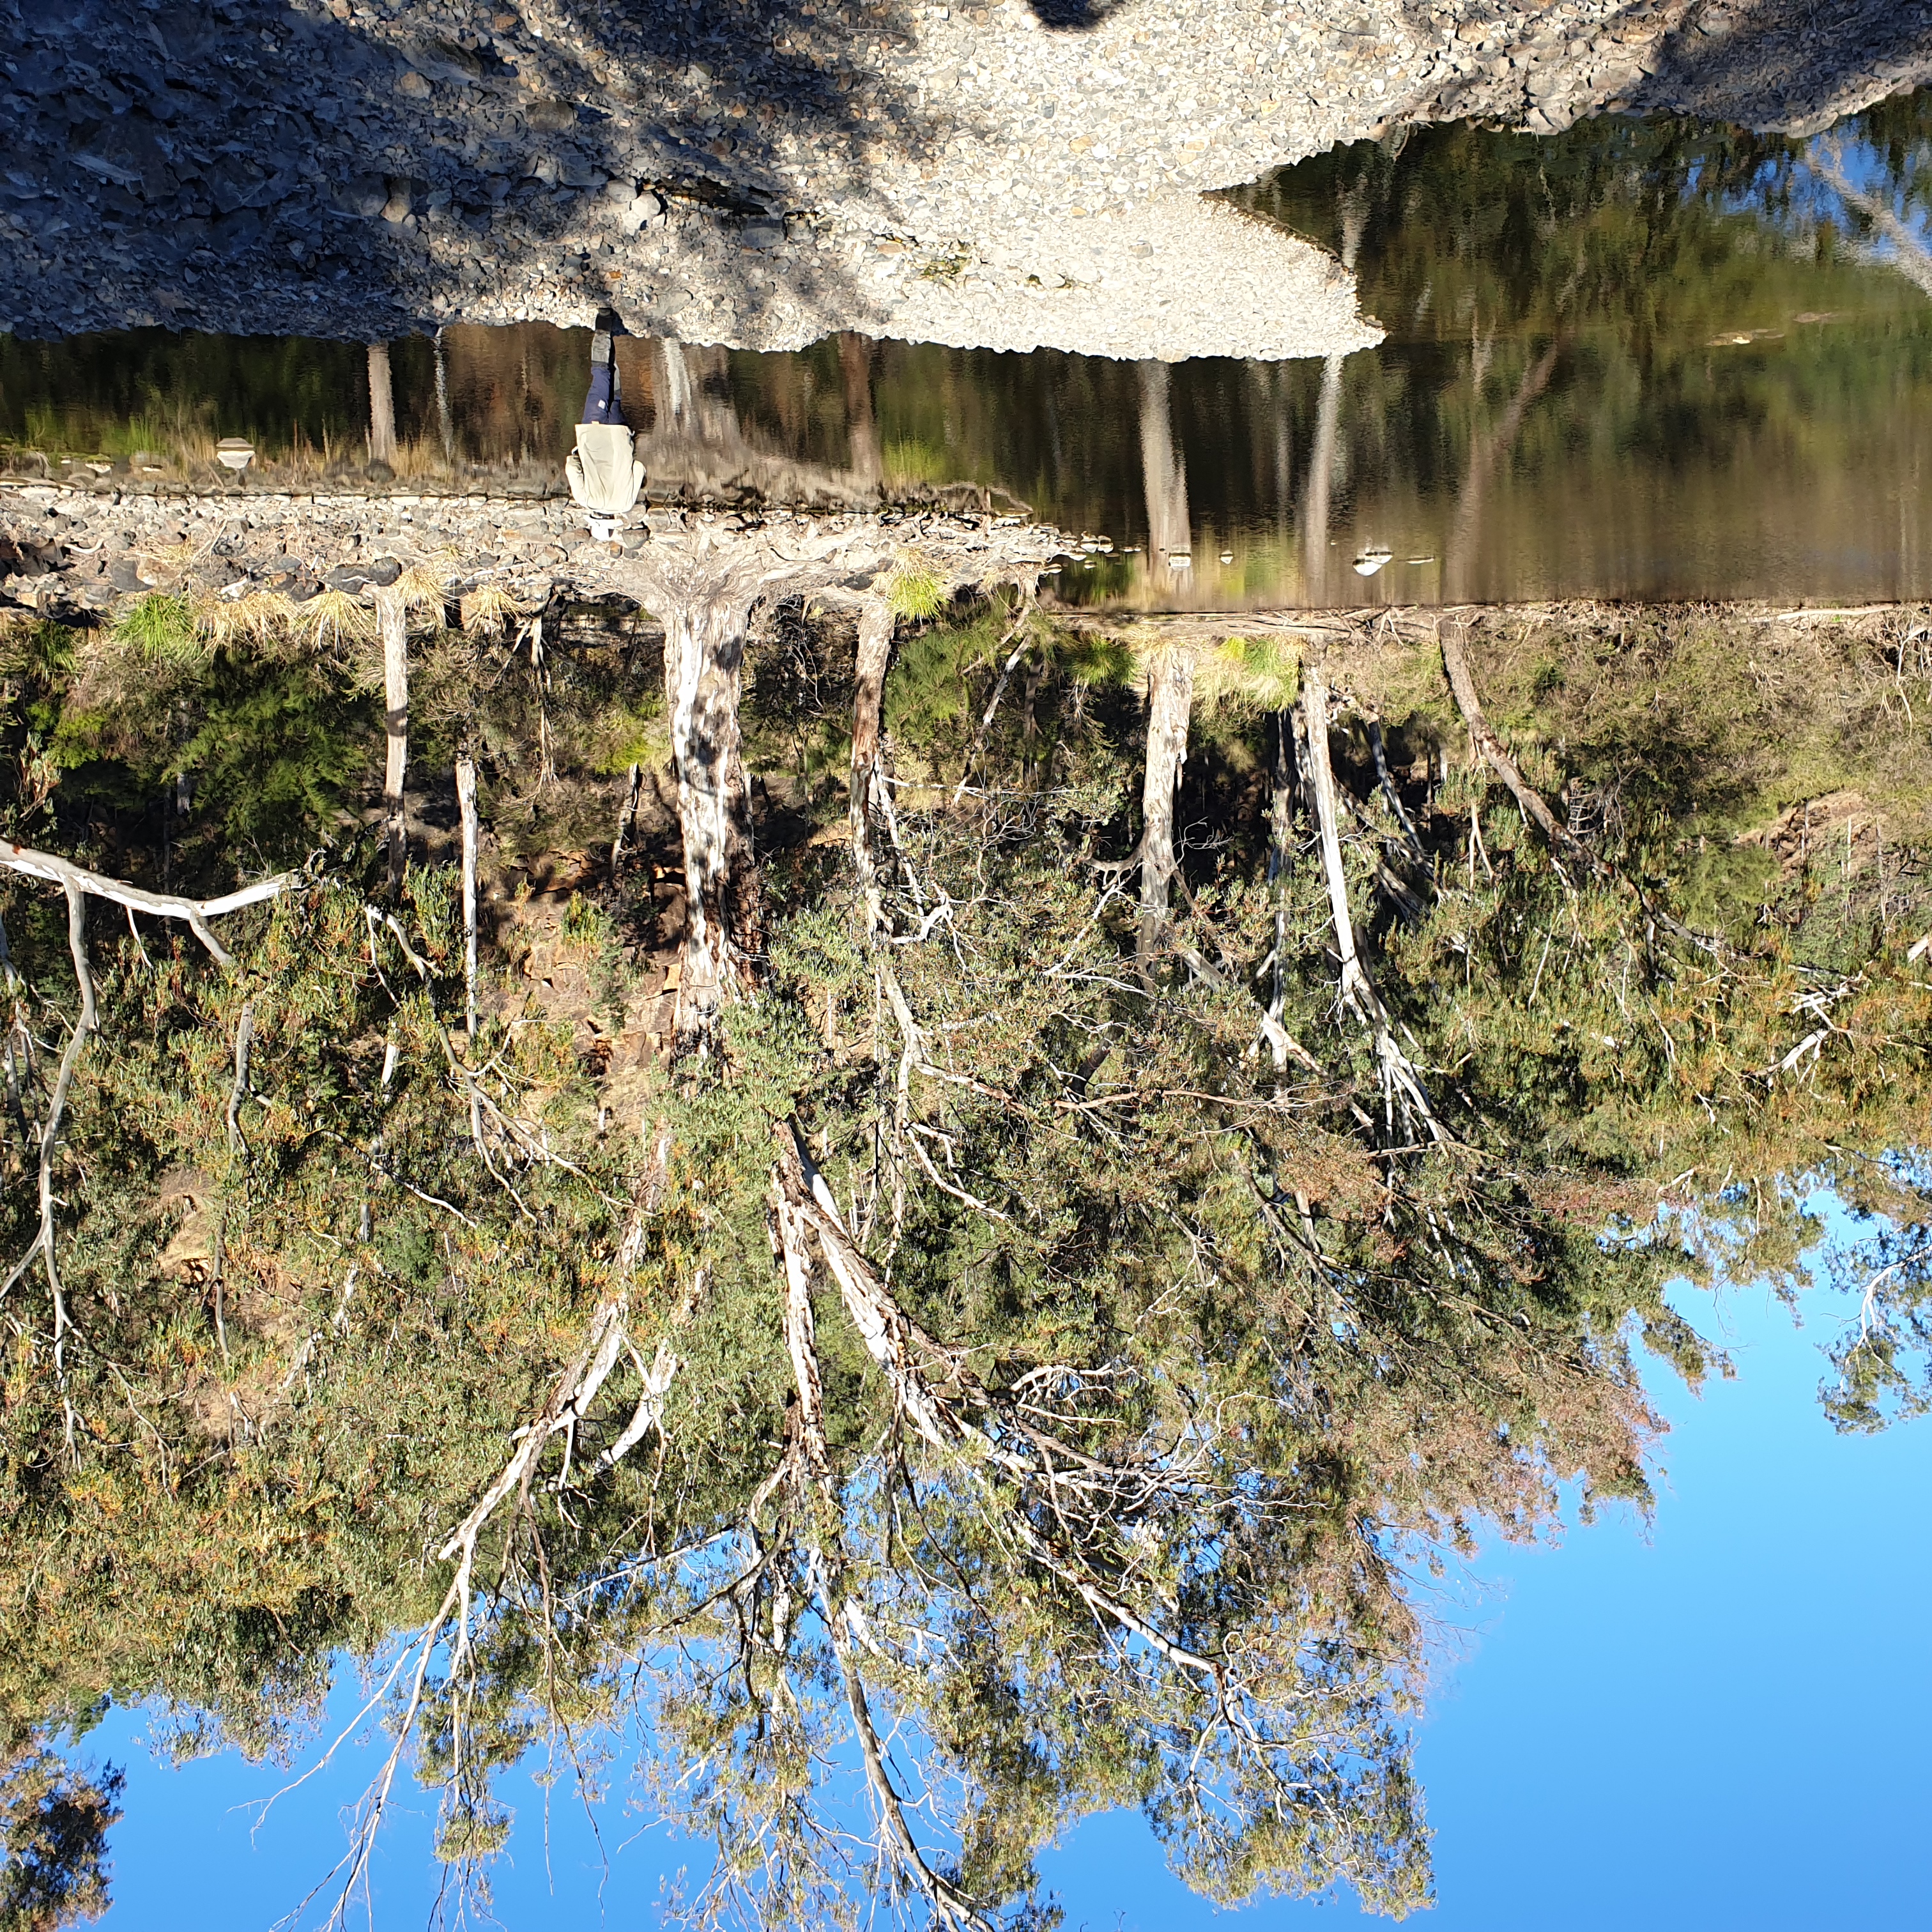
x,y
303,169
1769,64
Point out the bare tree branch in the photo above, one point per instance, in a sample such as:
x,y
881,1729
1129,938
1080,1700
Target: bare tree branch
x,y
163,905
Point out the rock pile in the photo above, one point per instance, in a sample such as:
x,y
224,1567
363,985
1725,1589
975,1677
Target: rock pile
x,y
754,173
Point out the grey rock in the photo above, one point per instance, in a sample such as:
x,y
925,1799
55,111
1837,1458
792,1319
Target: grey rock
x,y
363,195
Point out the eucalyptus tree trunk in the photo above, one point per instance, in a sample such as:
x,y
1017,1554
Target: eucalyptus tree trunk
x,y
381,405
466,800
1281,830
874,653
1170,703
703,584
704,649
392,618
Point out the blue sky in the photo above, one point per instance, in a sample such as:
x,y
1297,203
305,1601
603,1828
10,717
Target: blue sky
x,y
1718,1723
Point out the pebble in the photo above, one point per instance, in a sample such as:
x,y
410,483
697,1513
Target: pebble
x,y
947,168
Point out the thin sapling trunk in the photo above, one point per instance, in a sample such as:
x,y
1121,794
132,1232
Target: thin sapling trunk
x,y
466,800
392,617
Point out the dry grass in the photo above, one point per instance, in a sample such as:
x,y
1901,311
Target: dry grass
x,y
421,587
332,620
259,621
488,610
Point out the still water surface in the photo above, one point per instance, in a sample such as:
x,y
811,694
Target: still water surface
x,y
1636,360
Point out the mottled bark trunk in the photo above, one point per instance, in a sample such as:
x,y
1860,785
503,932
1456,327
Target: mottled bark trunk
x,y
1163,475
874,653
381,405
1170,702
1327,816
393,620
704,644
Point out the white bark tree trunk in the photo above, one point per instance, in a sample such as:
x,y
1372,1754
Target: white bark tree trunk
x,y
1402,1085
1170,703
874,653
704,646
466,800
392,618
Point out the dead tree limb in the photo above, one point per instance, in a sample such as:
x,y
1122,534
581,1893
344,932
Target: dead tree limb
x,y
1462,685
244,1034
1400,1082
627,815
1453,632
792,1215
162,905
42,1248
16,1029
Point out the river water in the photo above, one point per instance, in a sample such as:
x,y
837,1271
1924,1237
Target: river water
x,y
1640,359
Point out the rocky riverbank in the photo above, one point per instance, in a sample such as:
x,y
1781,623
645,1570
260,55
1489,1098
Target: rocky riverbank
x,y
749,173
241,559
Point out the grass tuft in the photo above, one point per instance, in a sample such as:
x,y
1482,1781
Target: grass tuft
x,y
161,627
915,591
333,617
488,610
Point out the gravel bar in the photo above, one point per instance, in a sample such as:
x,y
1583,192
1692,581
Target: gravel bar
x,y
741,173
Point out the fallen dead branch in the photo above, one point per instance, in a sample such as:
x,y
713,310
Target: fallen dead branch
x,y
197,913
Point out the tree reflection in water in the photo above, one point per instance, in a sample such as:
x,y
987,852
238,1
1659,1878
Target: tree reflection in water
x,y
1004,1294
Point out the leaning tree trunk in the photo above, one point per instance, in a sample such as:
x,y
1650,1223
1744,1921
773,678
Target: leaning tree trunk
x,y
704,648
1171,702
381,405
393,618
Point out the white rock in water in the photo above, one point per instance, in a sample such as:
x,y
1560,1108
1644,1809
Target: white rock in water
x,y
1370,561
